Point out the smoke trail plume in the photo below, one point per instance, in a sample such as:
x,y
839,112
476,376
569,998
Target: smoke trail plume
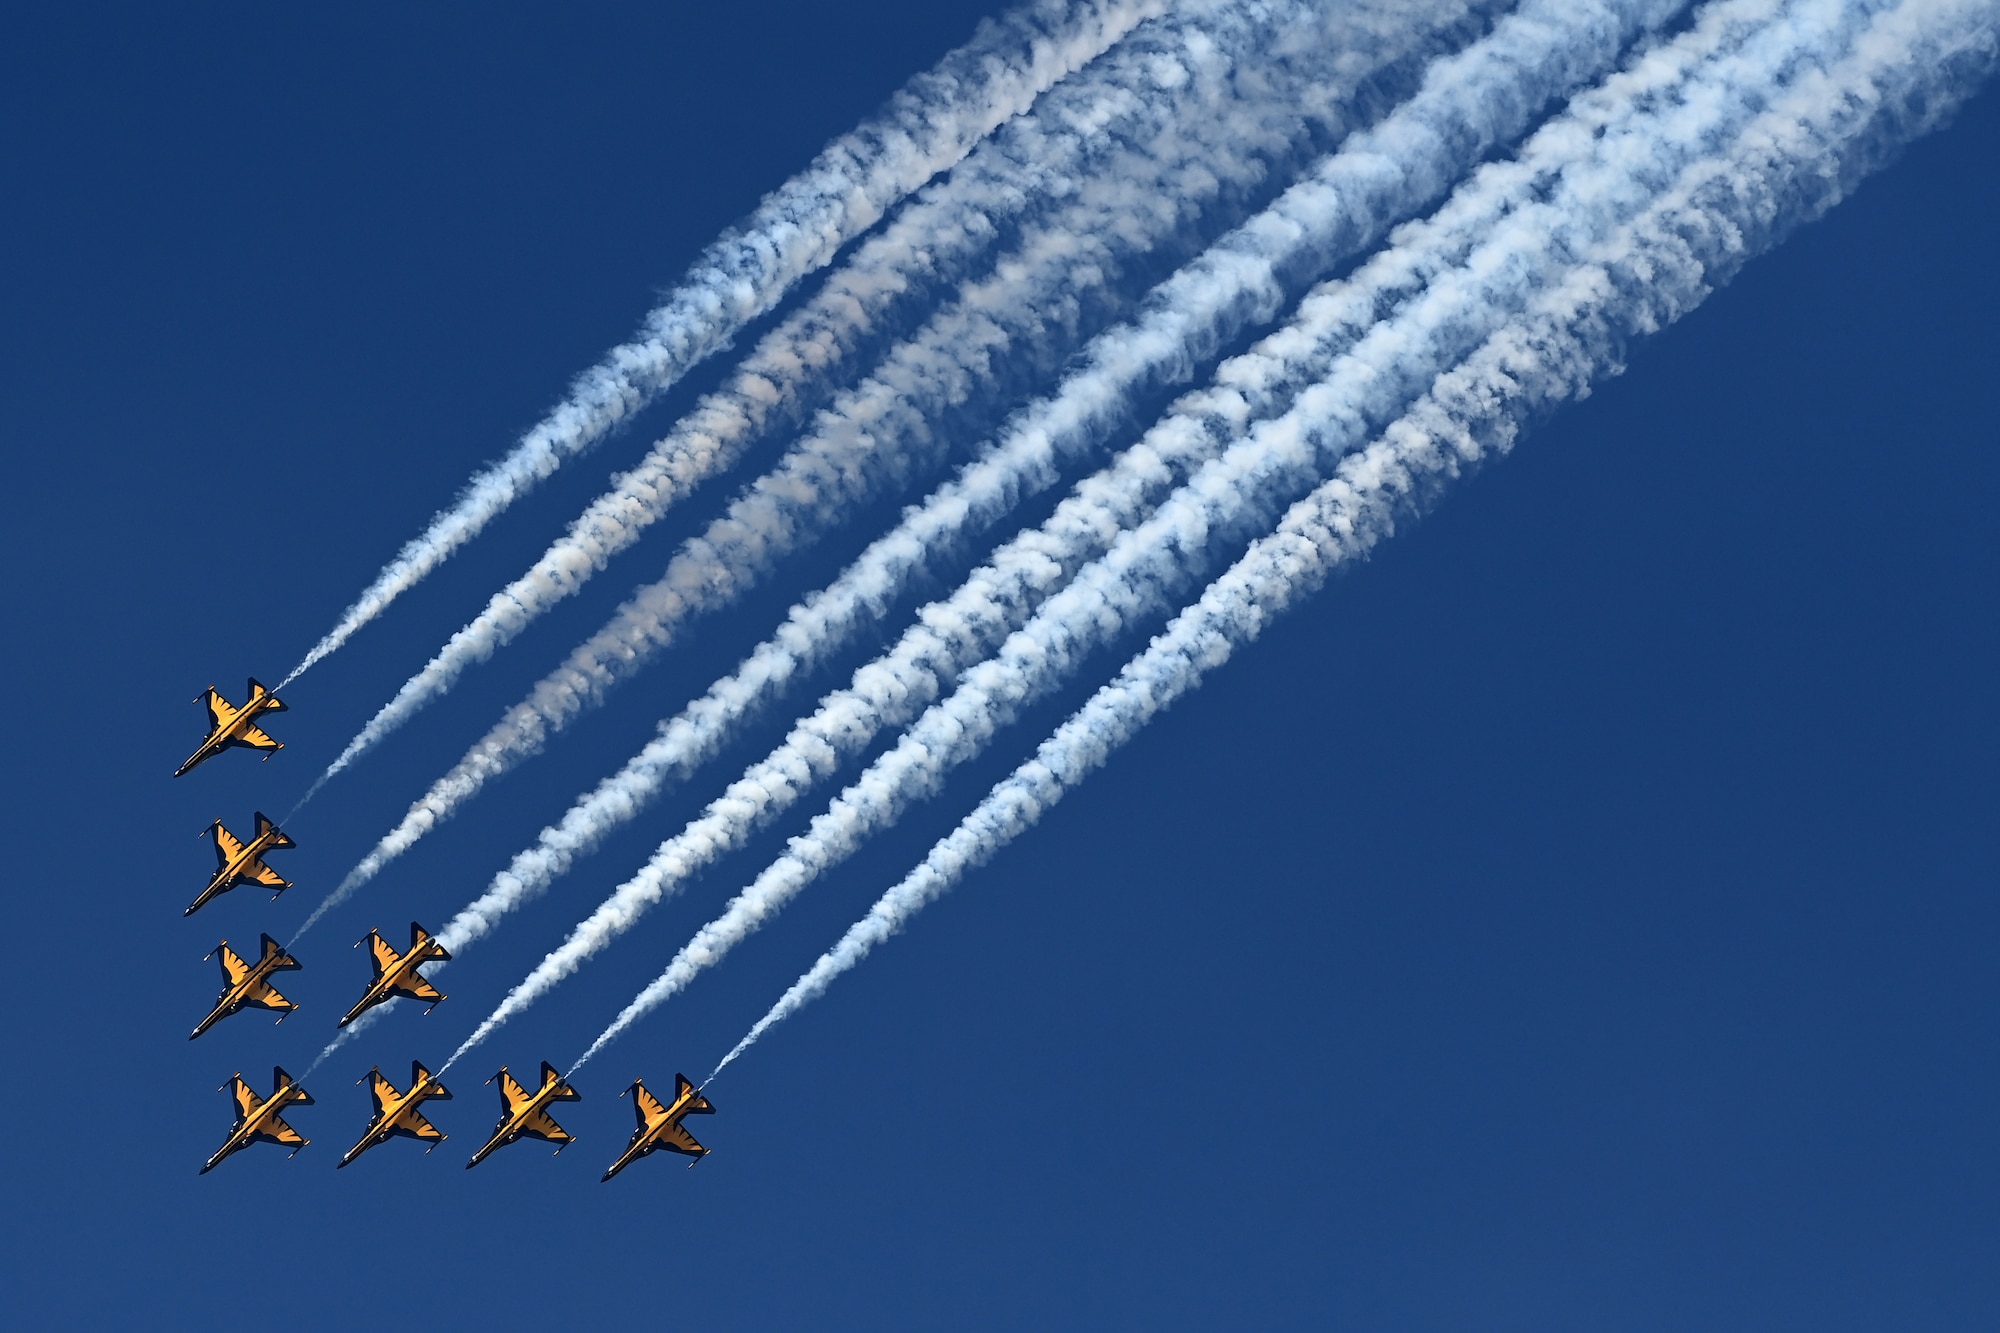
x,y
1113,118
1531,250
884,429
1581,171
1469,102
797,229
342,1037
1908,73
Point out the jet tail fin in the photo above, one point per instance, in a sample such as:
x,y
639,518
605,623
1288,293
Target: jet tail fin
x,y
549,1075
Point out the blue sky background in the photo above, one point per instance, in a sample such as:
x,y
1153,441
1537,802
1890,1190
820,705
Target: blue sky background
x,y
1581,916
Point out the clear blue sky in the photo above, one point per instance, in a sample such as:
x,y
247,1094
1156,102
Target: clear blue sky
x,y
1582,916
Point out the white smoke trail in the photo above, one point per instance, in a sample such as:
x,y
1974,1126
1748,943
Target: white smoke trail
x,y
1909,72
1599,128
1534,248
342,1037
876,431
1468,102
929,125
1124,107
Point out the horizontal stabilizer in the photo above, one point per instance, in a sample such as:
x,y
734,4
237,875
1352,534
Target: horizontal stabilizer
x,y
280,1080
279,838
424,940
285,963
549,1075
700,1105
272,703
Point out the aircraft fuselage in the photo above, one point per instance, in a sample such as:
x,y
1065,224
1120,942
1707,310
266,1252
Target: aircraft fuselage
x,y
233,997
253,852
511,1130
393,976
229,731
394,1110
381,990
652,1134
253,1124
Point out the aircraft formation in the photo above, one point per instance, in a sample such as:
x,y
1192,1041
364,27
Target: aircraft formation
x,y
525,1113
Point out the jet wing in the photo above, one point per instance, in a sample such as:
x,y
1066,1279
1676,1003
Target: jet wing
x,y
651,1109
512,1094
414,1126
234,969
379,1088
414,987
259,873
675,1138
227,845
264,995
542,1125
220,711
246,1101
275,1130
255,738
385,955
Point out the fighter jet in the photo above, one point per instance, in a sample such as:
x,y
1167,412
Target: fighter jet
x,y
660,1126
240,862
399,1112
396,973
229,725
525,1114
248,985
259,1121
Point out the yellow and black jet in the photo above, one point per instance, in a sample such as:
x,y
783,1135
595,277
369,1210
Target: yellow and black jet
x,y
399,1113
660,1126
260,1120
396,973
247,985
229,725
525,1114
239,862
